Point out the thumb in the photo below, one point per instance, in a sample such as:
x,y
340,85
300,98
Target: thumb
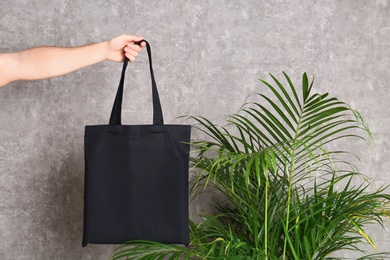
x,y
132,38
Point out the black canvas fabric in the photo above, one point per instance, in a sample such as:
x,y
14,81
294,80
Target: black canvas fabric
x,y
136,178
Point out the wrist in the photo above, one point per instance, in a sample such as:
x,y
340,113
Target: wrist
x,y
105,50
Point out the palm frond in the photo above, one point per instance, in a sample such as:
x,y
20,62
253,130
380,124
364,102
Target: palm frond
x,y
286,193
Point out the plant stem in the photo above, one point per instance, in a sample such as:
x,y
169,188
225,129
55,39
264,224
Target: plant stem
x,y
266,221
288,204
290,173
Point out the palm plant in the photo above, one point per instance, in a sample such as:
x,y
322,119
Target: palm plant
x,y
286,193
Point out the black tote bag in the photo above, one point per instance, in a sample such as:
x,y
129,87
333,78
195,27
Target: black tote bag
x,y
136,178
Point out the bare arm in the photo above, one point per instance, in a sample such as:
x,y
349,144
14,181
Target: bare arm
x,y
47,62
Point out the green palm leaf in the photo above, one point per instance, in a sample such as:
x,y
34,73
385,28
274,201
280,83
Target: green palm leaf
x,y
280,183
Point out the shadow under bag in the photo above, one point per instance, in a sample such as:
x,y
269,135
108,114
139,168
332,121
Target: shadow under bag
x,y
136,178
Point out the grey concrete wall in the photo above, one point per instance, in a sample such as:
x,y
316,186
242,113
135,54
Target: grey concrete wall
x,y
207,55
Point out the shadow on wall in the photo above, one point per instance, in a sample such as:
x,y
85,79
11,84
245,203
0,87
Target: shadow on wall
x,y
58,218
57,214
65,205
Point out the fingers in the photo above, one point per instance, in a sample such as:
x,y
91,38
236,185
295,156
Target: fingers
x,y
130,57
132,50
134,47
130,53
130,39
124,45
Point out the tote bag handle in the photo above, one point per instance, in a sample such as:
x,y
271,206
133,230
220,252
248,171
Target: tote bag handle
x,y
116,113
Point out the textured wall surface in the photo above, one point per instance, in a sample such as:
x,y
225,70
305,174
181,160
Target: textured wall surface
x,y
207,57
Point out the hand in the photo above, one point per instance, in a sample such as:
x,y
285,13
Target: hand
x,y
123,45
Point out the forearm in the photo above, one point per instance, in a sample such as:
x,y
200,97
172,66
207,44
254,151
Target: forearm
x,y
47,62
8,68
